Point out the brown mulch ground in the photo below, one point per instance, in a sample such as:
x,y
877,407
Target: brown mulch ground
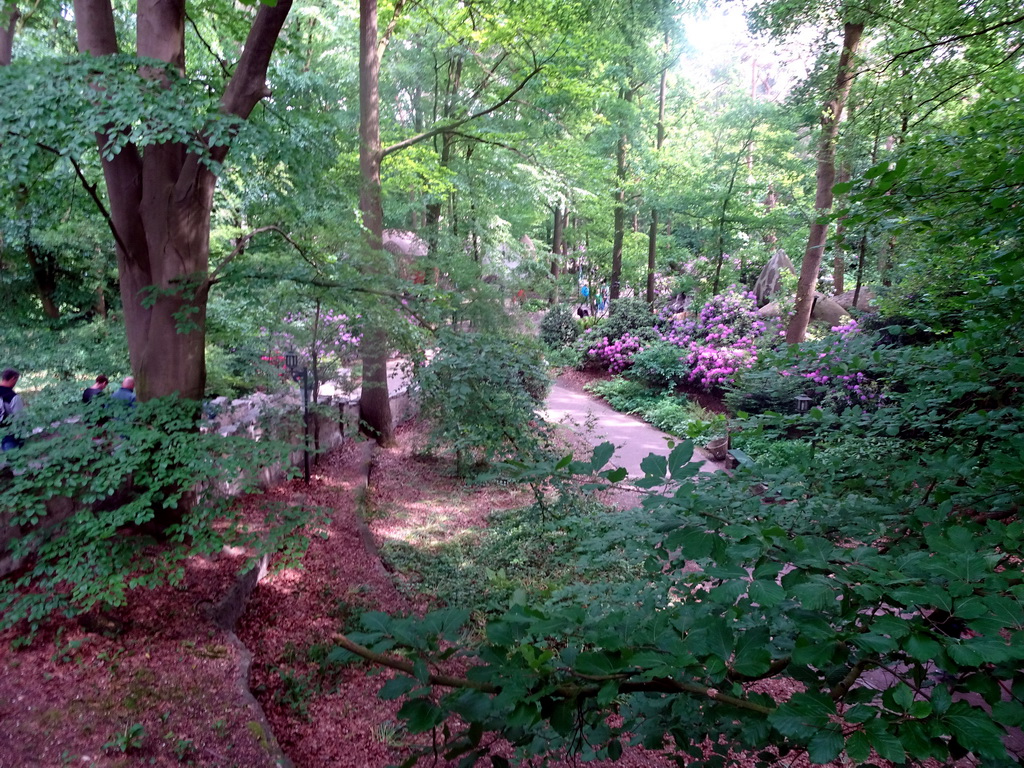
x,y
155,681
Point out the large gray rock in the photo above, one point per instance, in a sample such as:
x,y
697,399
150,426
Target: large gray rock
x,y
767,283
867,296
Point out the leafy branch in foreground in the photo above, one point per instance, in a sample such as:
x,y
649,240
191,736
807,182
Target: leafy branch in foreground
x,y
109,498
757,628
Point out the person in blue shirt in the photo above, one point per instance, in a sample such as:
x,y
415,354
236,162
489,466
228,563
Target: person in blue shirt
x,y
127,391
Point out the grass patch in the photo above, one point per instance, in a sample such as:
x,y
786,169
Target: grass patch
x,y
480,569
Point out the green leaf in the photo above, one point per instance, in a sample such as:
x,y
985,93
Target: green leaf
x,y
825,746
654,465
396,687
679,457
601,456
420,715
857,747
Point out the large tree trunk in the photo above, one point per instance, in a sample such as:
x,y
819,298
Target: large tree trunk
x,y
826,180
161,200
44,271
9,15
619,213
374,401
652,241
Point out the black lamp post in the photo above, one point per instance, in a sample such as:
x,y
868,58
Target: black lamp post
x,y
291,362
803,403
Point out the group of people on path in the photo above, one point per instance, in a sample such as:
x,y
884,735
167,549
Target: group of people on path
x,y
11,402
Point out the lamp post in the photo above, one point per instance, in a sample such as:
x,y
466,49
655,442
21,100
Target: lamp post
x,y
291,362
803,403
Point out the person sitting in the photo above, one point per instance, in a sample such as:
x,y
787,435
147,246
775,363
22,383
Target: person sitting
x,y
95,389
127,391
10,405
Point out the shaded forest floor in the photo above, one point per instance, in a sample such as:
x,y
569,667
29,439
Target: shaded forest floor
x,y
157,683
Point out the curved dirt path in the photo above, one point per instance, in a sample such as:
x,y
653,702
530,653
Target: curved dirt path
x,y
596,423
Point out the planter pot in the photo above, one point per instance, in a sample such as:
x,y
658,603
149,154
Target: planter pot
x,y
718,448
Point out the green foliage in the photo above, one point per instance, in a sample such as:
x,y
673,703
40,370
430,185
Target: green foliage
x,y
128,740
762,389
559,327
804,565
660,365
481,393
110,498
75,353
520,554
670,413
632,316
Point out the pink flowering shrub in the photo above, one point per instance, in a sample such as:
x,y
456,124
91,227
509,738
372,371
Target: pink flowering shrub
x,y
616,355
721,340
826,364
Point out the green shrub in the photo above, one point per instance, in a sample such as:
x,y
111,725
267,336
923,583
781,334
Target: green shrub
x,y
670,413
660,365
559,327
632,316
481,393
760,390
623,394
125,495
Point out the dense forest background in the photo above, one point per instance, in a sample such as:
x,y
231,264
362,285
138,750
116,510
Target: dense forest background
x,y
189,191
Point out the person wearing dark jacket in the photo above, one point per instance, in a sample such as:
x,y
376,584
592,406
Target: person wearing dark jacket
x,y
10,404
95,389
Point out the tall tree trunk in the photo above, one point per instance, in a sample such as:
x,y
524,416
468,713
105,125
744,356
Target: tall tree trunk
x,y
725,208
652,238
826,180
374,401
619,213
839,262
557,234
161,199
9,15
43,266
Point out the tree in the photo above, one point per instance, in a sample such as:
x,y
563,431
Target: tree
x,y
826,177
374,402
160,192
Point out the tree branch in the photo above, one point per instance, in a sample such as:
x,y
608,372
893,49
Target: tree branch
x,y
952,39
206,45
91,190
566,690
448,127
243,241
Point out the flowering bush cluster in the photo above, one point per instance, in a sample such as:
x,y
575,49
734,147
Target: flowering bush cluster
x,y
721,340
823,365
329,337
617,354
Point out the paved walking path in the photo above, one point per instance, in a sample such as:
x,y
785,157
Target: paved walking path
x,y
596,422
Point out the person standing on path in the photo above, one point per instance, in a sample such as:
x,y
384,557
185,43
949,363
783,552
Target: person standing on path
x,y
127,391
95,389
10,405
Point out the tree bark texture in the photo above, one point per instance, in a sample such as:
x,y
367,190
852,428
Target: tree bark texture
x,y
9,16
161,198
826,178
619,214
652,240
374,401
